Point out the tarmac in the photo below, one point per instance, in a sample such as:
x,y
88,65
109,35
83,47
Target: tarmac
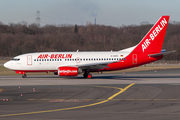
x,y
137,95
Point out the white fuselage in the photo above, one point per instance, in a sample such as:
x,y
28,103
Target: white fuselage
x,y
52,60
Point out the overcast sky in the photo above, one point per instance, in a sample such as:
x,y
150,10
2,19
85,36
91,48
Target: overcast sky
x,y
107,12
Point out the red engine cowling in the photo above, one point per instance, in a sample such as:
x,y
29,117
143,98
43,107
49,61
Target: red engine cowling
x,y
68,71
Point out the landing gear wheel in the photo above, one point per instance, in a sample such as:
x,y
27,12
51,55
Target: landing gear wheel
x,y
85,74
24,76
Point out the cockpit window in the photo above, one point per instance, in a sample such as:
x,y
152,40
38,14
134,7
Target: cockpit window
x,y
16,59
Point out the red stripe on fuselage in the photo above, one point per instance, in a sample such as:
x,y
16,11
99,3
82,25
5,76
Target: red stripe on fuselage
x,y
128,63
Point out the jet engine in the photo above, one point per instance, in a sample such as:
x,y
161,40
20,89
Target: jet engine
x,y
68,71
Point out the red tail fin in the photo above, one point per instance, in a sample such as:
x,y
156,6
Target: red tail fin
x,y
153,41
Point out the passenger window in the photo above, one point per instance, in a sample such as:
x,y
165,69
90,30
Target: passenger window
x,y
44,59
47,59
39,59
34,59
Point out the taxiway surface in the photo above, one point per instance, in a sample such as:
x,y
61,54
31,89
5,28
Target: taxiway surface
x,y
137,95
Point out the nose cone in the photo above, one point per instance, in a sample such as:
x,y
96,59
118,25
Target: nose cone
x,y
7,65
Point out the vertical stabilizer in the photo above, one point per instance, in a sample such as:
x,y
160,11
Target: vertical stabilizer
x,y
153,41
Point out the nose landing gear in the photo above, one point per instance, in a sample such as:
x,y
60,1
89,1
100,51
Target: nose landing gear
x,y
24,76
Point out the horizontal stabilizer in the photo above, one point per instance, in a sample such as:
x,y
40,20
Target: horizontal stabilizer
x,y
160,54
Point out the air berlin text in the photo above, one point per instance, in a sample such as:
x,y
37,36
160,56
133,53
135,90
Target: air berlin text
x,y
154,33
68,71
54,56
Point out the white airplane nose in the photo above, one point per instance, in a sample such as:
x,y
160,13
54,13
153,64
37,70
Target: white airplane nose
x,y
7,64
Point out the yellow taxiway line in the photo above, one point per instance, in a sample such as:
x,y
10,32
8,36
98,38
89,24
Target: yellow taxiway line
x,y
1,90
105,99
71,108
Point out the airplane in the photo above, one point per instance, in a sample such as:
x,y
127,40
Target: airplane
x,y
73,63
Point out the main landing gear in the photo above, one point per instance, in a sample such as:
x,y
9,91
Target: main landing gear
x,y
87,75
24,76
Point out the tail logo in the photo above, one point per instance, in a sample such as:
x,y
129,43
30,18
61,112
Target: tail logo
x,y
154,33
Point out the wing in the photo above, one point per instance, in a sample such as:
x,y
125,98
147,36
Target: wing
x,y
93,66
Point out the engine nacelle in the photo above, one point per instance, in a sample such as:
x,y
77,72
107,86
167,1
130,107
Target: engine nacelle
x,y
68,71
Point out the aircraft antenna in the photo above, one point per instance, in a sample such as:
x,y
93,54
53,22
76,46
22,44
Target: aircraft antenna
x,y
94,21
